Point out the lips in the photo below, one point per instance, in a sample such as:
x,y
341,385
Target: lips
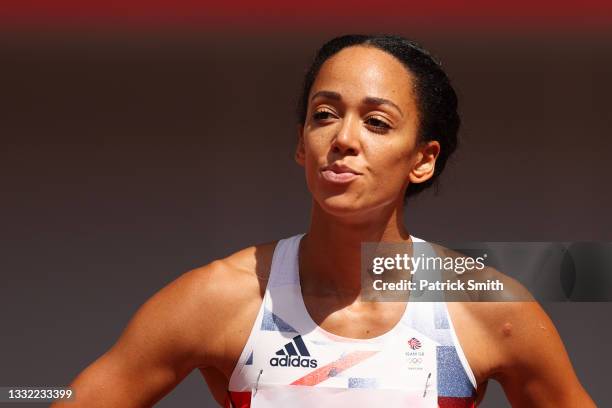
x,y
339,173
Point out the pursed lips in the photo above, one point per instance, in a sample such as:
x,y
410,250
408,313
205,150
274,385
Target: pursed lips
x,y
339,173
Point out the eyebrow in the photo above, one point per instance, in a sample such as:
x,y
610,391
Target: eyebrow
x,y
368,100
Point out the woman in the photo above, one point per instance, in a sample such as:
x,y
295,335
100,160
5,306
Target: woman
x,y
282,324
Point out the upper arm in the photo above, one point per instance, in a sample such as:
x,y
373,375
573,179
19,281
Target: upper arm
x,y
513,341
174,332
536,370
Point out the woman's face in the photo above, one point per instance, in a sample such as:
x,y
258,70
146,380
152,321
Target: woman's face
x,y
358,144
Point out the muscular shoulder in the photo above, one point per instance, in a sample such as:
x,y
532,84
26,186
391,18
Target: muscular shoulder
x,y
498,329
226,294
507,336
181,327
191,317
234,279
504,335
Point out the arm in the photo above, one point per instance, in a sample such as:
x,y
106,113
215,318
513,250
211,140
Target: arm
x,y
156,351
536,370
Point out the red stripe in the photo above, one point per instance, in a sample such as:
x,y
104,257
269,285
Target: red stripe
x,y
323,373
242,399
238,399
456,402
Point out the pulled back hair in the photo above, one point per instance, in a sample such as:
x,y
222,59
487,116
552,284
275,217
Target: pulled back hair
x,y
436,98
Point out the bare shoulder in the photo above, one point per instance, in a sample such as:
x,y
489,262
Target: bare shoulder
x,y
182,327
505,316
231,279
507,336
223,298
494,325
485,331
191,316
517,344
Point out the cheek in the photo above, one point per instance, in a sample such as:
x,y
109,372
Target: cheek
x,y
313,150
316,147
390,160
390,166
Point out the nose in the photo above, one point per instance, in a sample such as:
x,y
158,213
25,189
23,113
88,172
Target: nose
x,y
346,141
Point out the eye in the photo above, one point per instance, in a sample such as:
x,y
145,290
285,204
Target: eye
x,y
377,124
322,114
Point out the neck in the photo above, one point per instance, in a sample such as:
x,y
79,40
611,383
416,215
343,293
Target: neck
x,y
330,254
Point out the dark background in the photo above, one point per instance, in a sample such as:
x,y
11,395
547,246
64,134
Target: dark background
x,y
128,157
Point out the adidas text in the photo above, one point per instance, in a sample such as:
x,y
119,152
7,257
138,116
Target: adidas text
x,y
293,361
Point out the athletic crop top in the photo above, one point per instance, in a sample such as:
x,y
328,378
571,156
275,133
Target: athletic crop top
x,y
289,361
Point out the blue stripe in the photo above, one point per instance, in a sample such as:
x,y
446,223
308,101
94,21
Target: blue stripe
x,y
452,378
271,322
440,317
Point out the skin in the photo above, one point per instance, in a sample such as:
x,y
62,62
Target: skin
x,y
201,321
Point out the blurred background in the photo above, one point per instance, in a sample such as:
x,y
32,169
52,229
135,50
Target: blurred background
x,y
143,139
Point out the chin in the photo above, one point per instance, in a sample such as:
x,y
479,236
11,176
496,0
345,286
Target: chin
x,y
354,206
342,205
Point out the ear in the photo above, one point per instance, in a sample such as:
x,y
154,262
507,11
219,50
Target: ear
x,y
425,163
300,152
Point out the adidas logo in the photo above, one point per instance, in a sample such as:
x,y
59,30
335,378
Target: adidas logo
x,y
294,354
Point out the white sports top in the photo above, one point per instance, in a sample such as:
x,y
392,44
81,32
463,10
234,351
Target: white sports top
x,y
289,361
